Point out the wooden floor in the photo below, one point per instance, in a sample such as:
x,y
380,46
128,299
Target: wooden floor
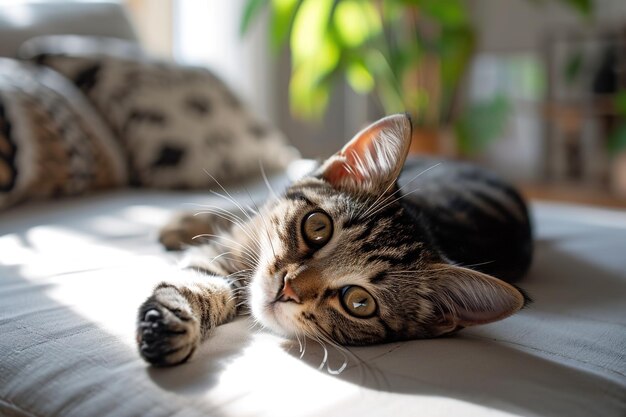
x,y
575,194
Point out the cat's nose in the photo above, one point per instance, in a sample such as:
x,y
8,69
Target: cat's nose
x,y
288,293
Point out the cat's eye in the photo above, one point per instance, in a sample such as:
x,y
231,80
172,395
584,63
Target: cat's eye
x,y
317,229
358,302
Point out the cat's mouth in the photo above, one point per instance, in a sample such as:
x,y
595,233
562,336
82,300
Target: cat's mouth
x,y
277,318
270,307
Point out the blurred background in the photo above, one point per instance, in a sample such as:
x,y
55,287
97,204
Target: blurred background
x,y
534,89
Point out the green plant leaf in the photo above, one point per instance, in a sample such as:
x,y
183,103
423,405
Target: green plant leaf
x,y
620,103
584,7
387,83
617,139
308,95
355,22
530,75
447,13
310,29
573,67
250,12
281,21
359,77
481,123
315,56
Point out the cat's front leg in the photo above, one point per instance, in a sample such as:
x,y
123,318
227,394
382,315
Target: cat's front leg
x,y
179,315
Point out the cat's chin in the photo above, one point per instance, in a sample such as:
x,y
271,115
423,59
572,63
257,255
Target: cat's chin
x,y
277,320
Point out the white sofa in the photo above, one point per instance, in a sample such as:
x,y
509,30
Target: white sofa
x,y
73,272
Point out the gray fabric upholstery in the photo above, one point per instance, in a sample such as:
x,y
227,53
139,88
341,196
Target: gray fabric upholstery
x,y
73,272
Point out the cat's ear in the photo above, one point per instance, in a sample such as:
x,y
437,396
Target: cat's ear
x,y
464,297
373,159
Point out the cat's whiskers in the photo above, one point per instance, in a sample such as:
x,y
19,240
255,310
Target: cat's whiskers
x,y
247,250
223,214
364,368
228,216
391,183
241,303
241,271
229,198
404,186
339,349
320,336
310,331
222,211
240,275
362,365
394,200
251,210
269,238
430,270
221,255
267,182
301,350
472,265
210,237
373,209
411,277
255,325
304,348
382,195
241,294
251,259
243,258
240,289
325,358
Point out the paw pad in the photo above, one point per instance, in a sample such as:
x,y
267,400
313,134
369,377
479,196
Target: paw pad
x,y
164,335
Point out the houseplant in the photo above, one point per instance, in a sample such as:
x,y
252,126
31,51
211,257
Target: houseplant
x,y
412,55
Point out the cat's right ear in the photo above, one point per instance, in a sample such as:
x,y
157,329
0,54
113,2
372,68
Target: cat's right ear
x,y
371,162
465,297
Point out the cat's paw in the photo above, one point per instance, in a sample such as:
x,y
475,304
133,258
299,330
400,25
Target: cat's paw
x,y
167,331
184,228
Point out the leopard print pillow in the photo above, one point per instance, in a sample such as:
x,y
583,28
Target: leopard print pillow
x,y
52,142
180,125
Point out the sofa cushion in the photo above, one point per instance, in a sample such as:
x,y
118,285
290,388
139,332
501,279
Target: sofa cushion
x,y
180,125
52,142
22,20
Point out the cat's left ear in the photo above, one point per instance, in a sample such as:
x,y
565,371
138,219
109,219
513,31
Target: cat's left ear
x,y
465,297
373,159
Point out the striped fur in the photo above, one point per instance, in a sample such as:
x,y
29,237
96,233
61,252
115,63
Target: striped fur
x,y
426,243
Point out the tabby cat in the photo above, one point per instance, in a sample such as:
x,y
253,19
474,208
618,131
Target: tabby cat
x,y
364,250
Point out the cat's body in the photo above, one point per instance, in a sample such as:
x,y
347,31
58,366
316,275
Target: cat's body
x,y
470,215
354,254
